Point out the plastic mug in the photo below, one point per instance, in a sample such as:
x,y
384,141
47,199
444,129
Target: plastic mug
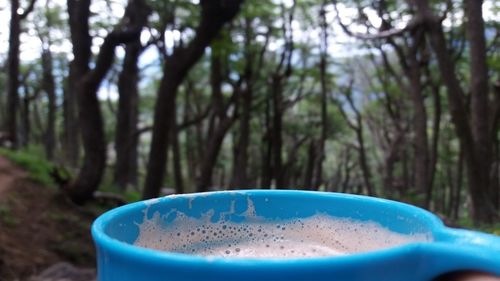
x,y
450,249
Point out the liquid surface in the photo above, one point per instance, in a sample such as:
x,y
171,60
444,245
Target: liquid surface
x,y
316,236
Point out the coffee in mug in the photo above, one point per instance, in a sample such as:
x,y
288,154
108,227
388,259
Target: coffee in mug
x,y
316,236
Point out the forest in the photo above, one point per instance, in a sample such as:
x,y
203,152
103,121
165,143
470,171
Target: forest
x,y
141,98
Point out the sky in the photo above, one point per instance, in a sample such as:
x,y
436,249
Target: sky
x,y
340,44
30,45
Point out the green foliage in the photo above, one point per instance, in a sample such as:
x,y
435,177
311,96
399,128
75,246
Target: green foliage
x,y
107,185
467,222
166,13
337,126
132,196
33,161
223,46
50,19
265,10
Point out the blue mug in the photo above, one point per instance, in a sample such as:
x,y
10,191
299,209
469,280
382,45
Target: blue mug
x,y
450,249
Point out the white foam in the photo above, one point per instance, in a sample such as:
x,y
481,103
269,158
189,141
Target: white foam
x,y
316,236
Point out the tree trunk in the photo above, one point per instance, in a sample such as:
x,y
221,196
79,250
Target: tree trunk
x,y
126,140
407,174
13,70
37,121
240,168
363,161
90,118
277,131
410,59
480,117
279,76
88,106
210,158
357,127
191,140
71,135
191,158
177,165
164,107
346,173
272,156
473,140
495,181
421,152
79,14
49,88
219,125
309,171
94,145
214,14
25,130
323,67
13,73
266,149
388,177
435,142
292,172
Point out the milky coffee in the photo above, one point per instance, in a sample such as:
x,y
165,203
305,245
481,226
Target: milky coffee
x,y
316,236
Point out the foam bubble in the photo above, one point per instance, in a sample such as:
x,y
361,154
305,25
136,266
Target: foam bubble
x,y
319,235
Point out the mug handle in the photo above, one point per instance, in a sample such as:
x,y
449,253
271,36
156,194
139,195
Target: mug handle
x,y
460,250
479,240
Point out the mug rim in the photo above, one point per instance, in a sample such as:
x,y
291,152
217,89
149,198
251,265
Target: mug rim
x,y
101,239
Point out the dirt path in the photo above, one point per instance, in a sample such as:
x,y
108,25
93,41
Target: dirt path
x,y
9,173
39,227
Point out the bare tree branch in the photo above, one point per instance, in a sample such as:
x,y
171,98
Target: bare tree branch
x,y
346,117
184,125
28,10
381,34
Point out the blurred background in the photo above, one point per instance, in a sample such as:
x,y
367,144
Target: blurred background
x,y
108,102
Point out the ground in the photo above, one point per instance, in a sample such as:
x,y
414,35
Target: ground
x,y
39,226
